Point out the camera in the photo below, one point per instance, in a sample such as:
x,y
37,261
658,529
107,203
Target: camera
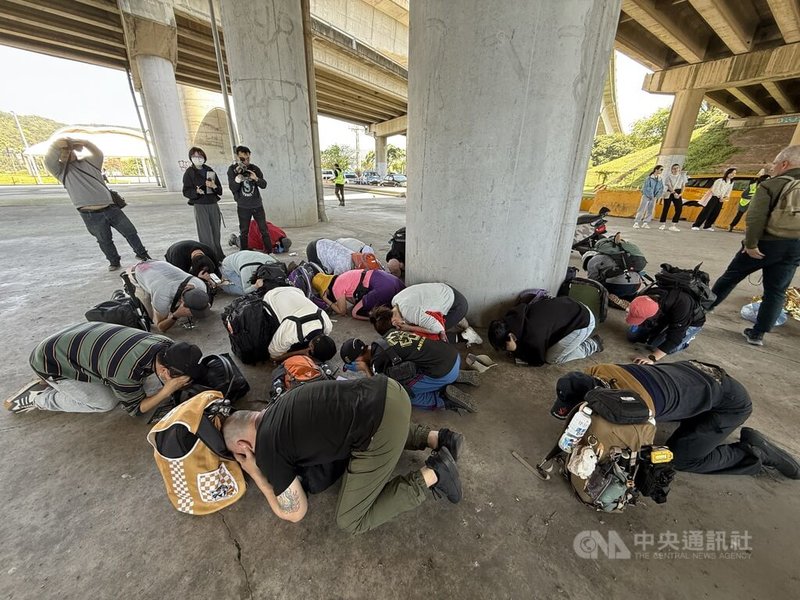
x,y
241,169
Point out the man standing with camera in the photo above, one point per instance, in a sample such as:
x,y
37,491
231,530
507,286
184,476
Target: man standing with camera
x,y
84,183
244,180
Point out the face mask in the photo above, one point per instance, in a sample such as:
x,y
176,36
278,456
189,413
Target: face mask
x,y
198,161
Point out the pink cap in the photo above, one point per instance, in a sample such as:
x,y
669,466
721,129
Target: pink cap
x,y
641,308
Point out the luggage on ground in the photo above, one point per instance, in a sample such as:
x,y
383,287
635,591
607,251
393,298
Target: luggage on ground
x,y
250,327
588,292
122,309
274,274
295,371
200,474
301,278
626,255
694,281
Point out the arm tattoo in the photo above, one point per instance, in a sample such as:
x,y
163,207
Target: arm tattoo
x,y
289,501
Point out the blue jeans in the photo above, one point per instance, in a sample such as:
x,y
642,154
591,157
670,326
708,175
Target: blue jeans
x,y
781,258
642,334
99,224
425,389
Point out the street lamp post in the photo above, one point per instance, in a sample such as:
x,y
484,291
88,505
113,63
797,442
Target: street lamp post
x,y
34,168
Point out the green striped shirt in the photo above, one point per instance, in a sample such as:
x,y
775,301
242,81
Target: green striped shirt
x,y
116,356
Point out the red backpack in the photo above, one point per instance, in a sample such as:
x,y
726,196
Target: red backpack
x,y
366,260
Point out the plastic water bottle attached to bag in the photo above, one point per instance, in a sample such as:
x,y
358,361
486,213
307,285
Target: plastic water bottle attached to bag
x,y
576,429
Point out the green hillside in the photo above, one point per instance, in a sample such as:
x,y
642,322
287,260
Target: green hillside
x,y
36,129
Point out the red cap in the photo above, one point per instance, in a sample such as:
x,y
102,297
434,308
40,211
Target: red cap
x,y
641,308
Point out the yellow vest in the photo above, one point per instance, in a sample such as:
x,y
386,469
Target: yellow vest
x,y
339,176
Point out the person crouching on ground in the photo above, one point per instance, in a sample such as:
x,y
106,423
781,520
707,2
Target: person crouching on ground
x,y
304,328
546,330
364,289
366,421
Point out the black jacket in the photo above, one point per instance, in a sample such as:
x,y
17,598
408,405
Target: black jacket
x,y
246,193
194,178
677,311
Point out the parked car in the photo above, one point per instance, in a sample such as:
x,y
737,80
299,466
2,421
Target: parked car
x,y
370,178
394,180
327,175
350,177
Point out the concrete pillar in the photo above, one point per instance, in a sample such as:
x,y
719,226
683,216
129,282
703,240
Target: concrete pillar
x,y
266,61
380,154
796,136
152,40
207,125
682,118
495,175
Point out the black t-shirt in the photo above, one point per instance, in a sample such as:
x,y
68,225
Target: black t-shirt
x,y
318,423
432,357
180,254
677,310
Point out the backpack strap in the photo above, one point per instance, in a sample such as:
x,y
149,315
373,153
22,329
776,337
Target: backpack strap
x,y
361,289
300,321
250,264
390,352
176,299
789,179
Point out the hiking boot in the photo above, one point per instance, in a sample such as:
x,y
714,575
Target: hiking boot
x,y
471,336
662,228
114,267
448,484
771,454
452,440
674,228
599,341
455,399
144,257
468,377
22,401
753,337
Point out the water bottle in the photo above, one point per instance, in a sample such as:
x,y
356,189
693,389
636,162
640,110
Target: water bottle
x,y
576,429
349,367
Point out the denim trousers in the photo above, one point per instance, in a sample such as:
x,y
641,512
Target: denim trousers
x,y
99,224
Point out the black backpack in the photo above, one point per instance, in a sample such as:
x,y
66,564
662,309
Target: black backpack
x,y
250,328
397,246
122,309
274,274
694,281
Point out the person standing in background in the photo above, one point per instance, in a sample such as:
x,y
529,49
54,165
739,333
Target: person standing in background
x,y
244,181
674,183
338,182
744,201
653,188
717,195
203,189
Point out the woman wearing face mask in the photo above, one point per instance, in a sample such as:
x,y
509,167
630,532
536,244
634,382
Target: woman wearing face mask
x,y
203,189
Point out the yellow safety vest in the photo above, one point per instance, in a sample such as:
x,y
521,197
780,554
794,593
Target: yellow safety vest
x,y
339,176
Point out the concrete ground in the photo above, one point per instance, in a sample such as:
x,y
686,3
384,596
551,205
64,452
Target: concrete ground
x,y
86,514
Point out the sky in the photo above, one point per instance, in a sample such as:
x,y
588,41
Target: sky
x,y
77,93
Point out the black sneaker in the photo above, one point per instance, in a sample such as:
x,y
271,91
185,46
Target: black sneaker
x,y
452,440
22,401
468,377
599,341
770,454
114,267
448,483
144,257
233,240
753,337
455,399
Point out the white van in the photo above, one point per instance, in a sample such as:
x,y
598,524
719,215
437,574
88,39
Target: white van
x,y
327,175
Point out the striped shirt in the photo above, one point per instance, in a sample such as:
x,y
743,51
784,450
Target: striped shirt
x,y
116,356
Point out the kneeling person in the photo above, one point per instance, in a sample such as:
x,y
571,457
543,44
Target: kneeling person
x,y
239,270
364,289
93,367
303,328
367,421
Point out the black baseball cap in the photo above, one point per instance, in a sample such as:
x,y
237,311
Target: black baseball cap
x,y
185,358
351,350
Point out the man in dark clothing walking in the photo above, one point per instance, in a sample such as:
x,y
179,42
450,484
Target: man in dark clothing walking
x,y
775,253
244,180
708,403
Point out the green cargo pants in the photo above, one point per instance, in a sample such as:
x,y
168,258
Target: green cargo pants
x,y
367,498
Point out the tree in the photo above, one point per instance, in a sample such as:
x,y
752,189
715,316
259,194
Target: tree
x,y
344,155
609,147
709,114
368,164
395,159
650,130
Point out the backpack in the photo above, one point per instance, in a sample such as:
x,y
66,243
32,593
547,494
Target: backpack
x,y
122,309
250,328
296,371
589,293
200,474
304,340
784,212
397,246
301,278
694,281
274,274
402,371
627,255
366,260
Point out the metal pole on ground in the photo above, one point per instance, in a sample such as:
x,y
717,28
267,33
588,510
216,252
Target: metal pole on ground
x,y
32,166
222,80
305,6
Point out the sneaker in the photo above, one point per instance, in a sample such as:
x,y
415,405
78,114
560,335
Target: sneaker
x,y
674,228
468,377
448,484
695,228
709,229
455,399
114,267
471,336
452,440
598,341
771,454
635,225
662,228
22,401
645,226
753,337
144,257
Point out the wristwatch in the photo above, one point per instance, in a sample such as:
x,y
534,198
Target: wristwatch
x,y
652,357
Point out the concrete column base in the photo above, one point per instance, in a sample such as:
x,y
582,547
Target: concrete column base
x,y
682,119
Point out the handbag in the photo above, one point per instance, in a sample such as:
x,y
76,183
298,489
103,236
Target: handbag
x,y
117,198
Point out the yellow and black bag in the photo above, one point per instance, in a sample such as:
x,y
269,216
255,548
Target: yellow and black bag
x,y
200,474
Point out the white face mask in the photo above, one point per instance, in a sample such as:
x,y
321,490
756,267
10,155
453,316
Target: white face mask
x,y
198,161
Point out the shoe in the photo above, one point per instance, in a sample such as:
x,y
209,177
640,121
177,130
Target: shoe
x,y
674,228
114,267
635,225
645,226
471,336
753,337
599,341
455,399
144,257
771,454
468,377
22,401
730,229
480,363
448,484
452,440
695,228
662,228
709,229
233,240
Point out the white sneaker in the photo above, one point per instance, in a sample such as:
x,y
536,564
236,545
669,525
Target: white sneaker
x,y
695,229
674,228
709,229
635,225
662,228
471,336
645,226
